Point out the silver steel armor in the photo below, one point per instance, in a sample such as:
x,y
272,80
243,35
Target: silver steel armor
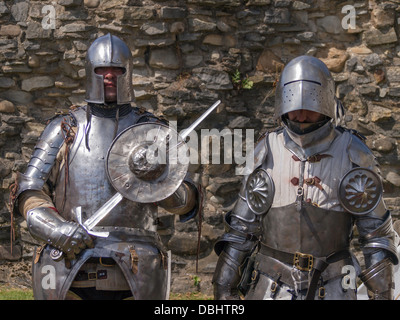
x,y
139,165
299,248
109,51
260,191
42,159
47,224
67,171
306,83
360,191
132,225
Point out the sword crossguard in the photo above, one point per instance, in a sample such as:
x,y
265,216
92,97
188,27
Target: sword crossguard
x,y
99,234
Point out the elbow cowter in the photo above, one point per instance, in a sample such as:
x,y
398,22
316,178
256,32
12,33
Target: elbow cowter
x,y
182,200
382,237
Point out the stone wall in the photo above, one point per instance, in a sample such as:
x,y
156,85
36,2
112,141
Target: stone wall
x,y
188,54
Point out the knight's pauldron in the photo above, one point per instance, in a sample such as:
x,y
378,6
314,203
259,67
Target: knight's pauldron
x,y
360,191
259,191
43,157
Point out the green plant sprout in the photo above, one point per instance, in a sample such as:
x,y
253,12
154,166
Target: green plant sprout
x,y
241,83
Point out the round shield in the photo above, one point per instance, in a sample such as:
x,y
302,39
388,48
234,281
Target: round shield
x,y
147,162
360,191
259,191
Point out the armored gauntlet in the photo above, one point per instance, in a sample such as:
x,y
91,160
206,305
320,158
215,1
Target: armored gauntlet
x,y
45,224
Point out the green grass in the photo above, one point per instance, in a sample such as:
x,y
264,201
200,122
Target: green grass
x,y
189,296
7,293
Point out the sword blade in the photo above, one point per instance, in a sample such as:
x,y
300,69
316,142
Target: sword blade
x,y
186,132
90,223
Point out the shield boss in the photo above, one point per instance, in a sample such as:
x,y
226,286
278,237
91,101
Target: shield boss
x,y
147,162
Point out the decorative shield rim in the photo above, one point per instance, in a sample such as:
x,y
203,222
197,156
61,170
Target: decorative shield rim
x,y
260,191
126,182
360,191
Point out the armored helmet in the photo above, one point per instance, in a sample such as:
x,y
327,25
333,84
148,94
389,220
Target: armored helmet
x,y
108,51
306,83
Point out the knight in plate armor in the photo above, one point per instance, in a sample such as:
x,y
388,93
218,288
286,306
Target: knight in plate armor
x,y
68,170
289,233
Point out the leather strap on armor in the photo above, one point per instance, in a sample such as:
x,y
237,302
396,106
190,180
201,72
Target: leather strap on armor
x,y
306,262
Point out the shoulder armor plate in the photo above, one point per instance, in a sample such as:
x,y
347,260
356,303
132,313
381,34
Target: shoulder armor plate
x,y
259,191
260,154
359,153
43,156
360,191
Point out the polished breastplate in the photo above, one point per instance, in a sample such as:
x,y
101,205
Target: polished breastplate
x,y
310,230
307,217
86,184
